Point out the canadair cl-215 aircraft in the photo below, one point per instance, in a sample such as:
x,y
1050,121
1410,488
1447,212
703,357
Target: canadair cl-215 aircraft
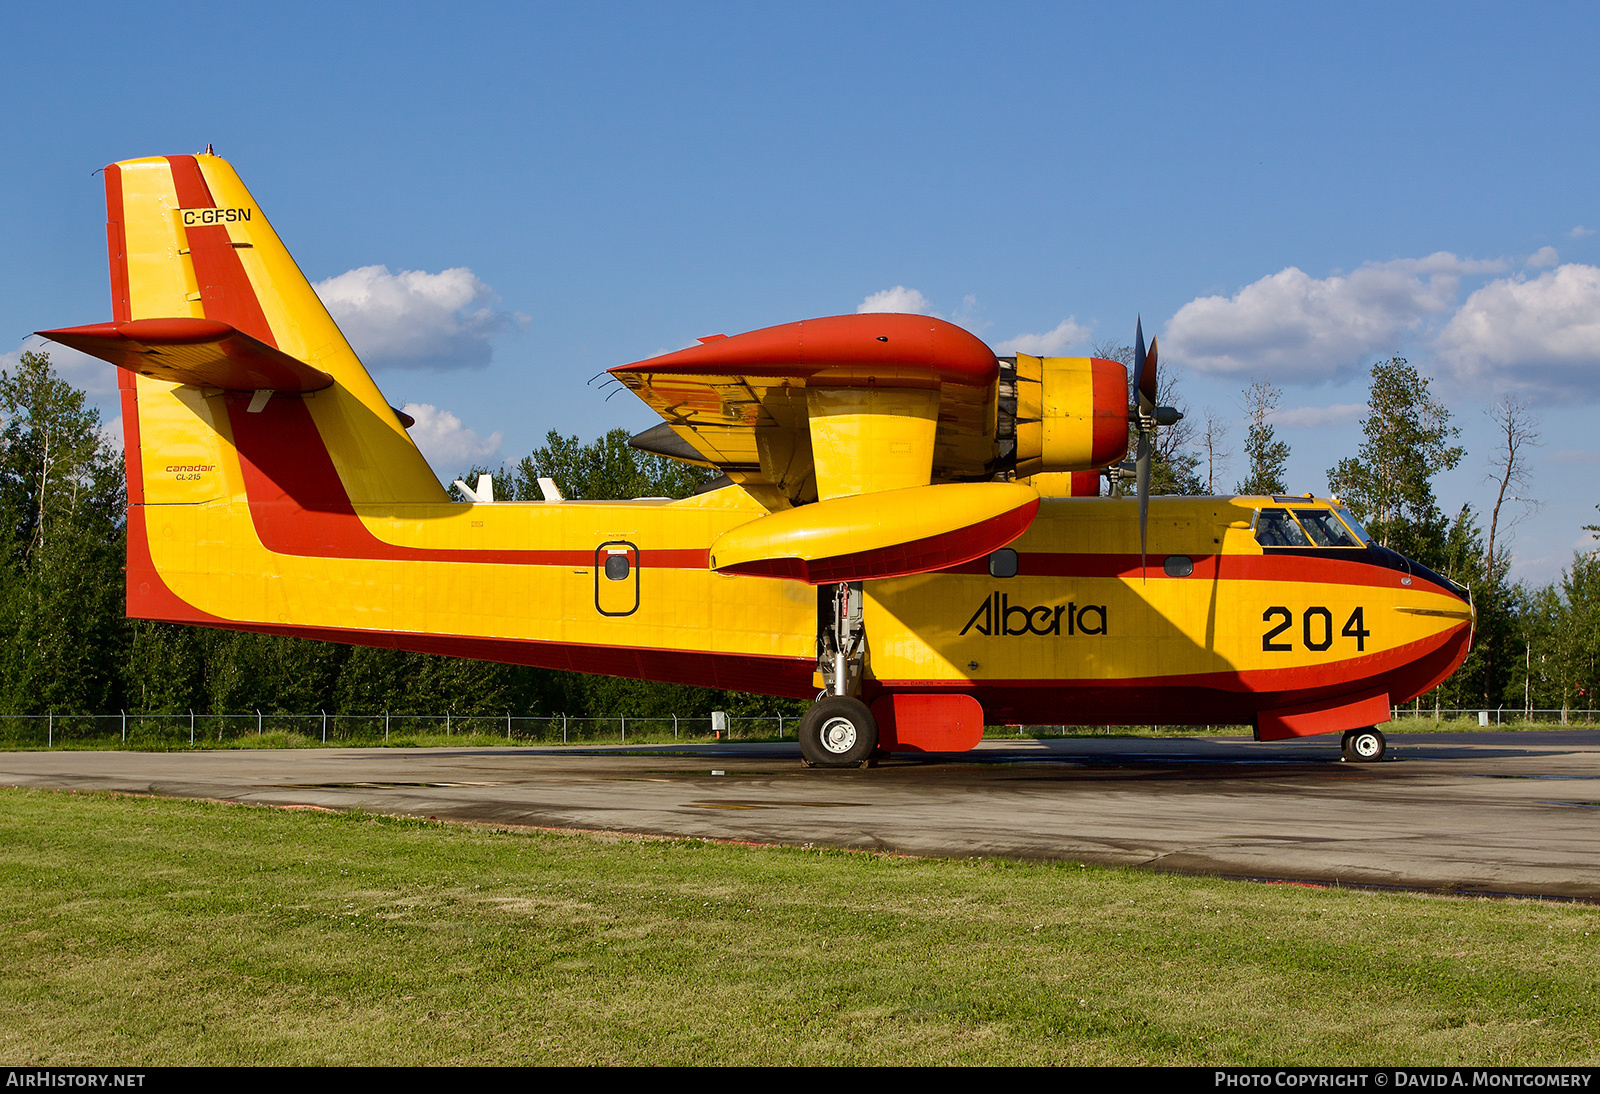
x,y
896,528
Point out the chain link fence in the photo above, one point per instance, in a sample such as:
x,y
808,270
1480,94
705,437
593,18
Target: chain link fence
x,y
51,730
192,729
1498,716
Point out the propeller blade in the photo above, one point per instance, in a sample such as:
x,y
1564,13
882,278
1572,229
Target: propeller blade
x,y
1143,473
1138,357
1147,379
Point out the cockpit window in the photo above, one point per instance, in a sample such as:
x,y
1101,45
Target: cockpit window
x,y
1276,528
1355,526
1324,528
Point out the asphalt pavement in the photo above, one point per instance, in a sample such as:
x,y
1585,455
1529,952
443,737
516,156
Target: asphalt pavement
x,y
1486,813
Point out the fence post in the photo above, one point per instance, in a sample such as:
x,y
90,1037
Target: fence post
x,y
624,729
124,727
191,728
563,729
508,725
780,725
447,723
674,727
386,727
50,730
258,721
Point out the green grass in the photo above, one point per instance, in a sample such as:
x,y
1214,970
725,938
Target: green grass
x,y
143,931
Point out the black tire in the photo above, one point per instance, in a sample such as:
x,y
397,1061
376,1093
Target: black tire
x,y
838,732
1364,746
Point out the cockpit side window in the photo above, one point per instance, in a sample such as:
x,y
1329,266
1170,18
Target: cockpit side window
x,y
1355,525
1276,528
1324,528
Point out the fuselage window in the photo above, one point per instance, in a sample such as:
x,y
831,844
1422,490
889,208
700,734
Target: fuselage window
x,y
617,567
1178,566
1003,563
1276,528
1324,528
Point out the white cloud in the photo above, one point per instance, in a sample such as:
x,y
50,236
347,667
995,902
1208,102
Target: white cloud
x,y
1049,344
1314,416
1300,329
449,445
1539,336
1579,232
1543,258
969,314
897,299
413,319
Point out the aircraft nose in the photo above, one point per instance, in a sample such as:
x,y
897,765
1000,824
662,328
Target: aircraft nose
x,y
1444,584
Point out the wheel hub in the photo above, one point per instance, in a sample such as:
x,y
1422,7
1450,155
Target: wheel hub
x,y
838,735
1366,744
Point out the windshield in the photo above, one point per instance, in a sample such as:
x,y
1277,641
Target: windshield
x,y
1355,525
1324,528
1276,528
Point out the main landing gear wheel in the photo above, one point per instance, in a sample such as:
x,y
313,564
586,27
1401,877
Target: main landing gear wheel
x,y
1363,746
838,731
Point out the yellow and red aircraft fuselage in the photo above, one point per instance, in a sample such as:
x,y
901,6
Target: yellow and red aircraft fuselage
x,y
271,488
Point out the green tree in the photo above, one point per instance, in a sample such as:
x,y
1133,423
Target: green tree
x,y
1389,485
1267,456
165,668
62,506
1483,678
604,469
1575,638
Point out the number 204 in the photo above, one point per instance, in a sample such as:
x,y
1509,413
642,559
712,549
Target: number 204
x,y
1316,629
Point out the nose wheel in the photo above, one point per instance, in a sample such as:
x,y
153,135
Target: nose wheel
x,y
1363,746
838,731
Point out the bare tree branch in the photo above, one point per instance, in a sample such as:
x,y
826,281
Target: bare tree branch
x,y
1508,467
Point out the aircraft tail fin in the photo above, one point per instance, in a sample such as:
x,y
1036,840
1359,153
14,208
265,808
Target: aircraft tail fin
x,y
245,412
207,303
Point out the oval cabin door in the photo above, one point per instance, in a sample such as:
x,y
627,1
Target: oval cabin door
x,y
616,578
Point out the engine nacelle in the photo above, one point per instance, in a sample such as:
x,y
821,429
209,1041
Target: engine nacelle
x,y
1063,413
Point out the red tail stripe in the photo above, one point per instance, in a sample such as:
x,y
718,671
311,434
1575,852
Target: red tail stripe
x,y
225,289
299,506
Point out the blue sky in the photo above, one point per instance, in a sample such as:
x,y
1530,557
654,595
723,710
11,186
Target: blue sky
x,y
1285,192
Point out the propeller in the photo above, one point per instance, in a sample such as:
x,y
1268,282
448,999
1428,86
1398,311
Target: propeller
x,y
1147,416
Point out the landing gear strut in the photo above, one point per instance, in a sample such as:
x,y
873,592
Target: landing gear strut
x,y
839,730
1363,746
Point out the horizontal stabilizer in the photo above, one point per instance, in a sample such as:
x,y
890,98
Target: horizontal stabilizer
x,y
892,533
203,352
